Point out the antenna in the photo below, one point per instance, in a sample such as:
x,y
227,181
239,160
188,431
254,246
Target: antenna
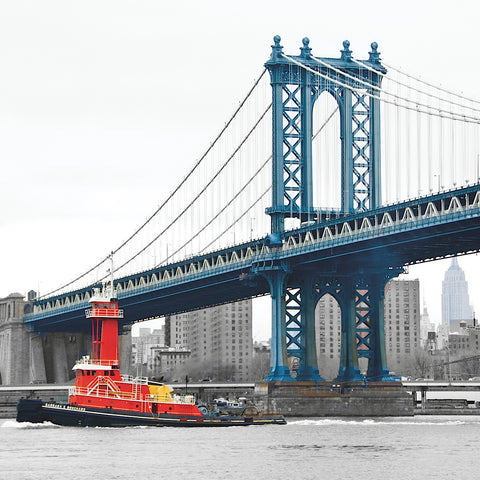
x,y
112,289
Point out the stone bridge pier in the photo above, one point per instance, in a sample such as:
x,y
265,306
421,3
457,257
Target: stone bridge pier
x,y
14,341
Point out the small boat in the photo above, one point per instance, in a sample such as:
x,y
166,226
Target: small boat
x,y
103,397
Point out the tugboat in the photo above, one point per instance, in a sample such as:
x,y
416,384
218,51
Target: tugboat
x,y
103,397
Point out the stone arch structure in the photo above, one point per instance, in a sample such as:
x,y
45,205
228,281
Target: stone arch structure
x,y
14,341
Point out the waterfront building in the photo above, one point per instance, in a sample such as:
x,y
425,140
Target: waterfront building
x,y
219,338
168,363
402,323
143,343
455,298
463,351
328,321
260,365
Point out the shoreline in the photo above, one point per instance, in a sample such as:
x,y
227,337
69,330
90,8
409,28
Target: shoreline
x,y
10,395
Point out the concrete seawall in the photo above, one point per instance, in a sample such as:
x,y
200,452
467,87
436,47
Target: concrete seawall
x,y
298,400
304,399
310,399
9,396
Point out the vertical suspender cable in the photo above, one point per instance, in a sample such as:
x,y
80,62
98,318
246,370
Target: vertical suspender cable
x,y
429,151
388,161
419,153
398,148
463,162
440,154
408,155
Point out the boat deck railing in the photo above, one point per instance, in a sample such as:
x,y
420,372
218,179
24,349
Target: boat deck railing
x,y
108,393
104,313
136,380
137,396
185,399
87,360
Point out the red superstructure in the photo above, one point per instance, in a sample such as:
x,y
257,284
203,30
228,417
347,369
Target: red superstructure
x,y
98,381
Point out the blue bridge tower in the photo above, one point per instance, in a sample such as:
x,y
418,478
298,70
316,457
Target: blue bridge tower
x,y
357,285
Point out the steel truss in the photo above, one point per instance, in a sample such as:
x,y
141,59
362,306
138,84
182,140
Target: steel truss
x,y
295,90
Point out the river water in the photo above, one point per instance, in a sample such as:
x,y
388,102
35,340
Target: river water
x,y
421,447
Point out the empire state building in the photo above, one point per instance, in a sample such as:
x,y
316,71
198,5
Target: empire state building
x,y
455,301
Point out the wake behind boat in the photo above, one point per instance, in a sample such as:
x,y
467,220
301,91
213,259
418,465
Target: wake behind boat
x,y
103,397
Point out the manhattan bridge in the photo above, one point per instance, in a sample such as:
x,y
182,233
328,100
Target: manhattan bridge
x,y
331,177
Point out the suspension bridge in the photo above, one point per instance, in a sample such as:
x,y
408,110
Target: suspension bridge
x,y
331,176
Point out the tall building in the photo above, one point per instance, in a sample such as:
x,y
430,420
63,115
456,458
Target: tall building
x,y
402,323
402,329
463,352
219,338
455,300
143,343
168,363
142,351
328,321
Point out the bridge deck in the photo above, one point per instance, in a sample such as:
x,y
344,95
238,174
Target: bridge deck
x,y
410,232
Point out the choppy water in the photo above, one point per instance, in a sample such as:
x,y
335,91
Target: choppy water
x,y
402,448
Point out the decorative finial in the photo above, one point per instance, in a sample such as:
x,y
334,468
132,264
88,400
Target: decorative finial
x,y
346,52
374,55
276,48
306,50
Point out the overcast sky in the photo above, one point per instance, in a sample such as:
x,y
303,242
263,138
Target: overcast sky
x,y
104,104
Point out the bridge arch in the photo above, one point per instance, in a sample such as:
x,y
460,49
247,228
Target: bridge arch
x,y
326,151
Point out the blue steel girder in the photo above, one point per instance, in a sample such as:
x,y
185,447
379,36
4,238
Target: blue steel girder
x,y
294,324
295,91
292,149
361,120
362,316
300,330
362,319
339,286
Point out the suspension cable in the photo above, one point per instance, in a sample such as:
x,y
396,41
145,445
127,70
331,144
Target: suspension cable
x,y
464,118
236,220
237,195
219,212
174,192
195,199
383,90
436,97
431,84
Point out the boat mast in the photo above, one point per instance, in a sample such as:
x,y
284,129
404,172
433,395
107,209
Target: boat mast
x,y
104,314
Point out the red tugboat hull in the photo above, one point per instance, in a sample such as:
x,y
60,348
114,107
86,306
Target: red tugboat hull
x,y
38,411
